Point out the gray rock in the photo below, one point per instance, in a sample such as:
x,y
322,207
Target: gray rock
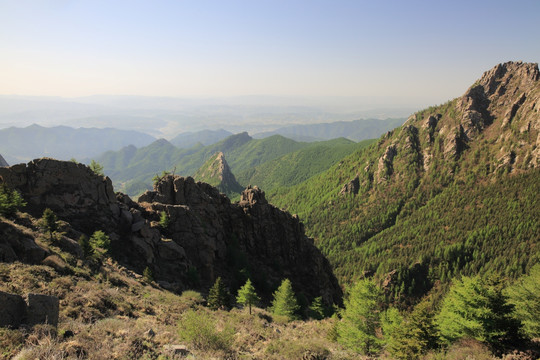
x,y
12,310
42,309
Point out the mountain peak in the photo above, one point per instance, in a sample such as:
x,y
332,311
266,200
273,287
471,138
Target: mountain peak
x,y
217,172
3,162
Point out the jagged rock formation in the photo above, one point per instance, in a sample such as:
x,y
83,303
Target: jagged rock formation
x,y
215,233
3,162
217,173
207,235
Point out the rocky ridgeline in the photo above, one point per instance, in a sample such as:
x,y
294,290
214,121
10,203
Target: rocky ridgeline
x,y
207,236
499,116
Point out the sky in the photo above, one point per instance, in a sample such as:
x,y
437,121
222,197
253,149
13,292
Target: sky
x,y
301,48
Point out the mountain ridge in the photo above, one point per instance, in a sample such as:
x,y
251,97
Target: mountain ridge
x,y
489,133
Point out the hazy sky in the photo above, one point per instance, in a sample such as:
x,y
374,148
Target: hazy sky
x,y
419,49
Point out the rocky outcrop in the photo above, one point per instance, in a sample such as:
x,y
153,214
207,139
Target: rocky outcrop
x,y
35,309
3,162
352,187
385,166
206,235
216,234
71,190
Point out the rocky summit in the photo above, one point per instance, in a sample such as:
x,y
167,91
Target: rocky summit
x,y
206,235
217,172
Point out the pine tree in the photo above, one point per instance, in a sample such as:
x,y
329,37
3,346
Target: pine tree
x,y
10,200
49,222
360,318
100,242
285,303
247,295
218,296
412,337
96,167
525,296
477,309
86,248
316,309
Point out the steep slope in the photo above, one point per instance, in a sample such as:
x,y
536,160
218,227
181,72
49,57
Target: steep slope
x,y
206,137
62,142
300,165
217,173
3,162
469,148
207,236
356,130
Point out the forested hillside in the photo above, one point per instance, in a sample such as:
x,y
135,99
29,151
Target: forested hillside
x,y
453,191
300,165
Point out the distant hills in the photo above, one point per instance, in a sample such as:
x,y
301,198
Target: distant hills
x,y
204,137
454,191
356,130
62,142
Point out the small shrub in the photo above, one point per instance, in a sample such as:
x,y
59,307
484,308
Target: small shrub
x,y
199,329
191,298
148,276
164,220
11,341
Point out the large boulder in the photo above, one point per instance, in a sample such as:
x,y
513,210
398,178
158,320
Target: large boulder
x,y
12,310
42,309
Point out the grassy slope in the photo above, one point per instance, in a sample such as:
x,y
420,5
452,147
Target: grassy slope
x,y
110,309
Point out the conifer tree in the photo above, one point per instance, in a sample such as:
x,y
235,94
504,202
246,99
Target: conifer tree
x,y
100,242
285,303
477,309
525,296
96,167
10,200
86,248
316,308
360,318
49,222
247,295
218,296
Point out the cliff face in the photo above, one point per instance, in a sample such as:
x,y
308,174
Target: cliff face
x,y
207,236
251,237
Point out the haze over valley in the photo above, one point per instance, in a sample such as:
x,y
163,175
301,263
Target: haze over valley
x,y
269,180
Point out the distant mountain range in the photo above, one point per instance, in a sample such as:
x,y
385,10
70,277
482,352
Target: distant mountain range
x,y
204,137
61,142
356,130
